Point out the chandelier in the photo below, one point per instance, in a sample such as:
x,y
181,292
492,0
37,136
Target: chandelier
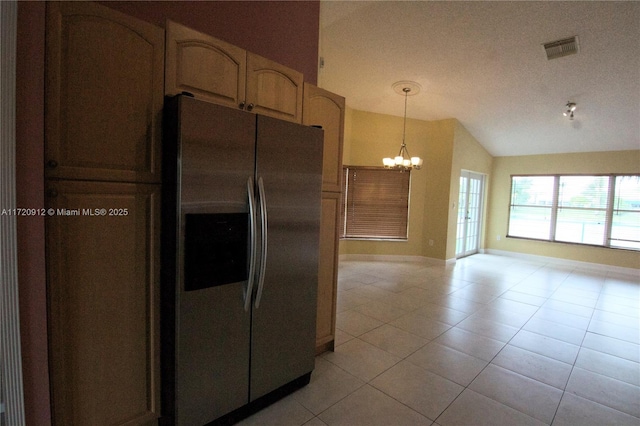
x,y
404,161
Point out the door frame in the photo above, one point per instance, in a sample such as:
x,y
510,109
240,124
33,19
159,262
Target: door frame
x,y
482,177
11,384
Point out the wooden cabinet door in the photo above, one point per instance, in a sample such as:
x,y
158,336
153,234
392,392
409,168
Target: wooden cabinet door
x,y
273,89
326,109
328,272
103,285
104,94
209,68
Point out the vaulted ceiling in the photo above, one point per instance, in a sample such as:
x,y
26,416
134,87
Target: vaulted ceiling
x,y
484,64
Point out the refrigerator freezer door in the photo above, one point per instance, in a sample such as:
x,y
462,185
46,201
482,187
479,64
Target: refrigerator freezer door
x,y
289,161
217,158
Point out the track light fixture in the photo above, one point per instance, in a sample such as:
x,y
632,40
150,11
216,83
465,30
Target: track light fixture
x,y
571,107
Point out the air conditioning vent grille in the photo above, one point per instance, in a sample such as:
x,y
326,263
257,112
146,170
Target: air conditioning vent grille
x,y
560,48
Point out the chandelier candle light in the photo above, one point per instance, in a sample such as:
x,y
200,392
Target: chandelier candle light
x,y
403,160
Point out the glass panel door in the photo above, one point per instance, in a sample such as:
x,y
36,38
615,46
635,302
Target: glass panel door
x,y
469,213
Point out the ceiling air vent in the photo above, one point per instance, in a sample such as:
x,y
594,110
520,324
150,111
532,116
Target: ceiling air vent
x,y
559,48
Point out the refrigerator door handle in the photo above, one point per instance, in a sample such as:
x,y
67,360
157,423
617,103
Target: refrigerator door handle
x,y
263,254
253,235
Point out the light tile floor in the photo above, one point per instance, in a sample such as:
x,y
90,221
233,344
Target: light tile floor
x,y
491,340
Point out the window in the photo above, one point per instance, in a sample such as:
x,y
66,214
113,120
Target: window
x,y
595,210
375,203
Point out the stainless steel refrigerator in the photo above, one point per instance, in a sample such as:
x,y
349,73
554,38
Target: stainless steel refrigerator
x,y
241,222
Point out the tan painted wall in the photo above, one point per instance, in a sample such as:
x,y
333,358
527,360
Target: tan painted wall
x,y
595,162
369,137
469,155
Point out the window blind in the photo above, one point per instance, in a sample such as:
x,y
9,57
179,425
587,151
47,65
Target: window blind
x,y
375,203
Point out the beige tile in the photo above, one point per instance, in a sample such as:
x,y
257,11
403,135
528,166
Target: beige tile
x,y
370,407
627,334
342,337
407,303
441,314
477,293
616,318
328,385
471,408
572,292
519,392
472,344
529,299
607,304
349,284
394,340
610,366
380,310
506,317
458,303
577,411
315,422
556,331
286,412
534,289
626,301
622,286
534,366
425,392
371,292
420,326
491,329
576,299
347,300
361,359
356,323
393,285
546,346
448,363
570,308
512,306
564,318
604,390
612,346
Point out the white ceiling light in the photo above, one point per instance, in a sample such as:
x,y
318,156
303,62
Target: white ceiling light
x,y
403,160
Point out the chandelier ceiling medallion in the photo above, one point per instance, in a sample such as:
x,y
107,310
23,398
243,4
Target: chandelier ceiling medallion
x,y
403,161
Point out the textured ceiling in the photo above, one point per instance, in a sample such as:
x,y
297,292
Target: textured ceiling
x,y
483,63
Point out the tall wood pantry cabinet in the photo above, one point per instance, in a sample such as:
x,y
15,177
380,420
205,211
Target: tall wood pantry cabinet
x,y
104,95
326,109
222,73
105,86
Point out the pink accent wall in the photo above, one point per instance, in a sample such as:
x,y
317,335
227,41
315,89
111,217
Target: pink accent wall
x,y
283,31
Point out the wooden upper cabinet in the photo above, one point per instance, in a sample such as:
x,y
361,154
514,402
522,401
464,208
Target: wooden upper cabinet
x,y
104,94
326,109
219,72
274,89
209,68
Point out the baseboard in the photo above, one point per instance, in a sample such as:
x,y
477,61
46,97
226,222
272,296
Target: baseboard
x,y
391,258
597,267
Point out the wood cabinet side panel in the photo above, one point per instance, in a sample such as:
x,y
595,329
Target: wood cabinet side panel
x,y
103,284
328,268
326,109
104,94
